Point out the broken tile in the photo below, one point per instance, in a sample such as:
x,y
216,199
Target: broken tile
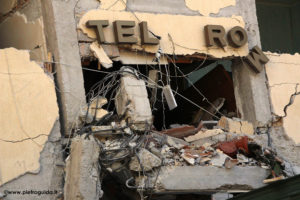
x,y
147,159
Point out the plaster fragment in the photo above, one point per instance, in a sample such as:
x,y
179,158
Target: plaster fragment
x,y
206,7
28,111
99,52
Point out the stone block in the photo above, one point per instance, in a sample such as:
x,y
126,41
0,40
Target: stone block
x,y
236,126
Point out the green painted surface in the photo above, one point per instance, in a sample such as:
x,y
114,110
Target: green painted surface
x,y
279,24
288,189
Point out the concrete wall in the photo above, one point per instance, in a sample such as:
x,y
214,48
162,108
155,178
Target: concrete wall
x,y
250,89
284,81
62,42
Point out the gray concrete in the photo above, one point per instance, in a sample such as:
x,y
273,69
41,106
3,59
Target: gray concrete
x,y
250,89
177,7
61,37
50,176
285,146
210,178
83,170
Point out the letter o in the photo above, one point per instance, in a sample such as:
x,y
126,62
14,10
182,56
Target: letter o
x,y
237,37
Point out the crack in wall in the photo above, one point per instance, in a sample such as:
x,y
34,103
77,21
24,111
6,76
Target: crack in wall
x,y
292,99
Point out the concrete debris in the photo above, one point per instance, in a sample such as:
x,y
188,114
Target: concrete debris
x,y
140,157
82,170
175,142
220,159
203,134
94,110
236,126
132,101
144,161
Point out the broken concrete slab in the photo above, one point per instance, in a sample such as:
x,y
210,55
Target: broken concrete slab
x,y
145,161
203,134
210,178
236,126
132,101
82,179
28,113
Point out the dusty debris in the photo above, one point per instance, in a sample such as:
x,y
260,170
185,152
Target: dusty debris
x,y
236,126
219,159
203,134
134,152
144,161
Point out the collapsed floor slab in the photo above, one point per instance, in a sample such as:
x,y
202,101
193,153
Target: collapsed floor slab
x,y
209,178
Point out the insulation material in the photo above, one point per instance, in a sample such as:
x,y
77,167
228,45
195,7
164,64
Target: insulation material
x,y
99,52
28,111
173,39
206,7
32,35
284,75
116,5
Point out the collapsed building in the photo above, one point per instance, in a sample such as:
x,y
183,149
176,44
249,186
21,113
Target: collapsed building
x,y
132,99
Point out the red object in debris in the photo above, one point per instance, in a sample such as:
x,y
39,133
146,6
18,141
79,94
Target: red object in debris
x,y
231,148
242,144
183,131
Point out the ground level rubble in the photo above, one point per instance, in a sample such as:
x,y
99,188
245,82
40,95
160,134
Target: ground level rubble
x,y
214,156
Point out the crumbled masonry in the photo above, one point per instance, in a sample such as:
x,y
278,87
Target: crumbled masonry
x,y
143,159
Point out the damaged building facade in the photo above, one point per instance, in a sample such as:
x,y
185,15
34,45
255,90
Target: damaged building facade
x,y
148,99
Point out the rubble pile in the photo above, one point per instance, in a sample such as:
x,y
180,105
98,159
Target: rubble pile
x,y
133,152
